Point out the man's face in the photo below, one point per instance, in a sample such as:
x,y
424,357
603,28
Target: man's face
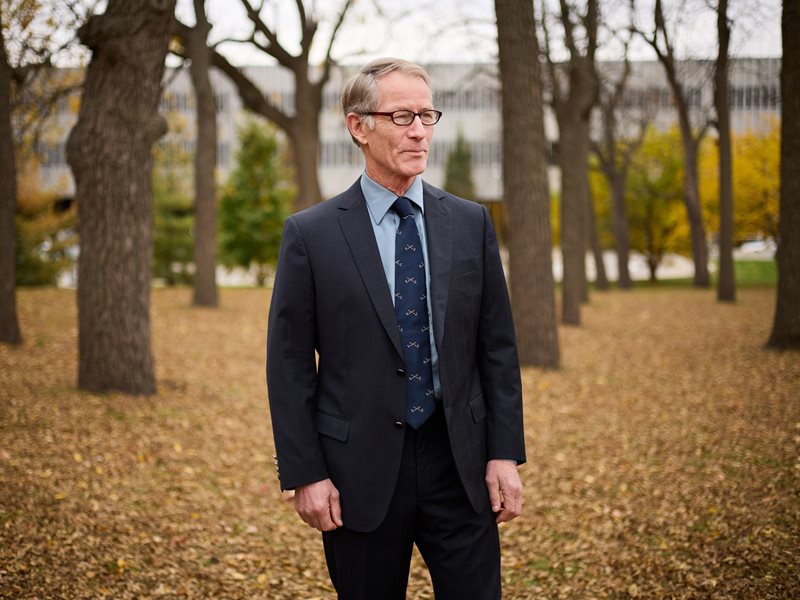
x,y
395,154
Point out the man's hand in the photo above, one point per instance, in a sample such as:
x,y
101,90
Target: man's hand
x,y
318,505
505,489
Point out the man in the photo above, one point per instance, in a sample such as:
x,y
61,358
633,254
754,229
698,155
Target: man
x,y
392,368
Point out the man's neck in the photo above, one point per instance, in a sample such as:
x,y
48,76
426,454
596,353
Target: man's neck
x,y
397,185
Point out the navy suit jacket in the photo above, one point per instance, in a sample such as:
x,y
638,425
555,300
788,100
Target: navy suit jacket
x,y
335,367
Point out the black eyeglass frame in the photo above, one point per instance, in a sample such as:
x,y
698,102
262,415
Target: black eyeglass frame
x,y
413,114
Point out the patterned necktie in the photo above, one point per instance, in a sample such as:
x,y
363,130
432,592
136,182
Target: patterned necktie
x,y
411,310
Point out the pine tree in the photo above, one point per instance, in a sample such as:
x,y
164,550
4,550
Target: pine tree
x,y
255,203
458,170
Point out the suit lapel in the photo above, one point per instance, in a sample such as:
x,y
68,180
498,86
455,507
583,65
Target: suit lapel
x,y
439,238
355,224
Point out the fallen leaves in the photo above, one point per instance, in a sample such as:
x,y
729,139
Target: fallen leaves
x,y
664,461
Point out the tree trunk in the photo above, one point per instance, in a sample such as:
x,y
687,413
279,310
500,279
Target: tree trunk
x,y
525,186
110,152
573,162
305,150
600,280
652,265
786,327
619,220
205,164
694,213
691,189
9,324
573,107
726,285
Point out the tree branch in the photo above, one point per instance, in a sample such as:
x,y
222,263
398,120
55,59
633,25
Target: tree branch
x,y
251,95
273,48
326,70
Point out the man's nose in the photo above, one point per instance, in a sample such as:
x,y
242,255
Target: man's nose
x,y
416,129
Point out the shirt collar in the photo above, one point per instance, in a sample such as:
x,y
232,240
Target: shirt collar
x,y
380,200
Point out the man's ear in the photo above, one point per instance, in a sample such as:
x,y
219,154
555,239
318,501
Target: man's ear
x,y
355,125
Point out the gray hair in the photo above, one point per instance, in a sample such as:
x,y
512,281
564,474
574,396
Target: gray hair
x,y
360,94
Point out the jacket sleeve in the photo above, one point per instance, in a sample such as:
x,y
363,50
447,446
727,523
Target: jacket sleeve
x,y
498,363
291,364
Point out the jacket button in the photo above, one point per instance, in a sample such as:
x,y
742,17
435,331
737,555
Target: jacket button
x,y
401,372
399,424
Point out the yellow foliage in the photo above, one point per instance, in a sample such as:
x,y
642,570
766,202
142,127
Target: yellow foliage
x,y
756,184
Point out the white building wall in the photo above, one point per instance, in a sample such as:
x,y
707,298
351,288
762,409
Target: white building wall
x,y
469,96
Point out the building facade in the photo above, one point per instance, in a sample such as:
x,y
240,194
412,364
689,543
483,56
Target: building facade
x,y
468,95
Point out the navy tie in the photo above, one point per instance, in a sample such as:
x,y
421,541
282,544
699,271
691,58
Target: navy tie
x,y
411,310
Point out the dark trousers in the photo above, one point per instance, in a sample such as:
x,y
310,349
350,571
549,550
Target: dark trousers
x,y
429,508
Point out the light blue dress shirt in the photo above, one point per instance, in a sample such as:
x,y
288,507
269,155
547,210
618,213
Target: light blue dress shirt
x,y
384,224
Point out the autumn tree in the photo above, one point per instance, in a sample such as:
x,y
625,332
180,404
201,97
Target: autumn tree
x,y
660,40
110,152
255,203
756,184
45,230
654,199
458,169
574,90
786,326
525,187
31,34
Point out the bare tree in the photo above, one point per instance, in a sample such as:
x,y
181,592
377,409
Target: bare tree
x,y
786,326
301,124
574,94
614,151
110,152
659,39
726,285
525,185
205,161
9,324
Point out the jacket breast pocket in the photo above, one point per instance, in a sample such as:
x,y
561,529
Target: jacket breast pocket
x,y
464,268
332,426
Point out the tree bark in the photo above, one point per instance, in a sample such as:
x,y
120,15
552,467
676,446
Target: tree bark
x,y
786,326
525,186
304,135
110,152
619,220
573,108
9,324
573,157
726,284
205,164
601,279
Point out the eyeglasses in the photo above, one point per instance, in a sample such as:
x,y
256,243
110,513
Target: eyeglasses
x,y
406,117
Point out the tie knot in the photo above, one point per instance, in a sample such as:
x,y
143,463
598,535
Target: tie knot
x,y
402,207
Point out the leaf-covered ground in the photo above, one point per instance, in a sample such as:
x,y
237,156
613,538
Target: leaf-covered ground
x,y
664,461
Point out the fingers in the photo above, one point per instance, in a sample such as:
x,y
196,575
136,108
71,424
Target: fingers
x,y
505,490
336,508
512,502
493,485
318,505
